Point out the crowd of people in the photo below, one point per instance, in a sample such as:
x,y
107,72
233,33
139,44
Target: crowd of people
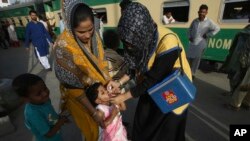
x,y
92,75
8,36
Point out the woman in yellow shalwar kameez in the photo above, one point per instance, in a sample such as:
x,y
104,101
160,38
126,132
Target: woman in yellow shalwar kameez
x,y
79,62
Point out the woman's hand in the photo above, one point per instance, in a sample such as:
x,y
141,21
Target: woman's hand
x,y
113,87
121,98
99,118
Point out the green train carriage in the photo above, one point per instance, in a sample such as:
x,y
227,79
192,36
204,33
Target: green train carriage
x,y
222,12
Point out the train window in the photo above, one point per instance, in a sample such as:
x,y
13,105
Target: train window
x,y
236,11
102,14
173,8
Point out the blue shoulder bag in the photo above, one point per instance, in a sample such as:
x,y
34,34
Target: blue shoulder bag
x,y
173,91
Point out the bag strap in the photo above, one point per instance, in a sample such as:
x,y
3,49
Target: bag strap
x,y
179,50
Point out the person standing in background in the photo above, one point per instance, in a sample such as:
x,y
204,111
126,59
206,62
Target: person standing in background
x,y
168,18
12,33
61,23
6,33
43,20
38,35
238,67
3,43
200,30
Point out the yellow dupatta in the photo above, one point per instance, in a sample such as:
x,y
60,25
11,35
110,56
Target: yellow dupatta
x,y
83,68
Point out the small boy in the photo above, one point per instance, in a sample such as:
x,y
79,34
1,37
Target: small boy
x,y
99,98
40,116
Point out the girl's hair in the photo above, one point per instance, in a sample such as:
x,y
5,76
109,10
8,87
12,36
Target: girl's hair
x,y
81,13
92,93
23,82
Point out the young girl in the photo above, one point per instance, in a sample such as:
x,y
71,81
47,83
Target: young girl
x,y
40,116
99,98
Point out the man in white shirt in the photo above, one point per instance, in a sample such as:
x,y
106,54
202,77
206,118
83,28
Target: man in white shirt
x,y
200,30
168,18
42,19
61,23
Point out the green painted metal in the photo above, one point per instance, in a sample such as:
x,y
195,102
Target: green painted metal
x,y
20,32
56,4
100,2
23,11
48,6
218,46
57,30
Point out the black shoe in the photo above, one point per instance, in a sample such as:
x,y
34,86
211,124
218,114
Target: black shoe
x,y
227,93
231,107
245,107
50,69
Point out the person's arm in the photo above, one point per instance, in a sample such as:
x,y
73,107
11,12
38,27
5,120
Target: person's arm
x,y
113,114
113,86
213,29
158,72
27,36
172,20
96,114
190,31
46,33
56,127
122,106
124,79
161,68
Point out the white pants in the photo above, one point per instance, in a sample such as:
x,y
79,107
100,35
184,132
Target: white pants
x,y
43,59
194,64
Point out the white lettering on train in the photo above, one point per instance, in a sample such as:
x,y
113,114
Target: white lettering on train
x,y
227,43
219,43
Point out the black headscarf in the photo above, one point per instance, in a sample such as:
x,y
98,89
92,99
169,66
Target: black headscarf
x,y
137,28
